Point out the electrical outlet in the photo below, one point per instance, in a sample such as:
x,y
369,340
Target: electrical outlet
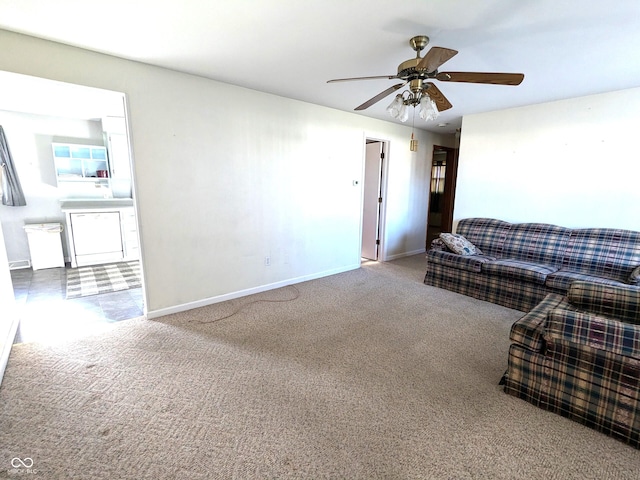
x,y
267,261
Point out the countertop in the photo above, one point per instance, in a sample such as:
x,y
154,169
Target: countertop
x,y
94,203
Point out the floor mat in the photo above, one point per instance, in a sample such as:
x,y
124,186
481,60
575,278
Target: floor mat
x,y
96,279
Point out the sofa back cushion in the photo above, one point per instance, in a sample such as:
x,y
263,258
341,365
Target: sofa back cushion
x,y
536,243
605,252
486,233
617,302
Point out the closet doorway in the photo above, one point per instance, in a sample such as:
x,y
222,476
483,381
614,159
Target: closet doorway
x,y
373,200
444,169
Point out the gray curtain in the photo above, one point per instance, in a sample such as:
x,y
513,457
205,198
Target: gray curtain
x,y
12,194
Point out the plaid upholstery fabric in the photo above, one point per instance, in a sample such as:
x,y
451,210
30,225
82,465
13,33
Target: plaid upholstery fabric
x,y
519,270
488,234
528,332
514,293
438,244
619,302
471,263
591,330
607,256
579,364
592,388
508,292
473,284
536,243
605,252
525,374
562,279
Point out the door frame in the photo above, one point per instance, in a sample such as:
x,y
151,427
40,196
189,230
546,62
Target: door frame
x,y
10,319
382,212
449,195
9,324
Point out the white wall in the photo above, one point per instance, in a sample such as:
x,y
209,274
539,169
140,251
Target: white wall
x,y
573,163
226,176
30,137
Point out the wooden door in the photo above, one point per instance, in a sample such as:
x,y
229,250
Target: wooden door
x,y
444,170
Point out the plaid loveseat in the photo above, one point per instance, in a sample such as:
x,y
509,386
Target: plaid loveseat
x,y
579,356
522,263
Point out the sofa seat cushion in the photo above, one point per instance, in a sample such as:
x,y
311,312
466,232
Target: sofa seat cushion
x,y
470,263
519,270
562,279
529,330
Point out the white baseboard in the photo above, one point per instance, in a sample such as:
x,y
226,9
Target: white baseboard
x,y
18,264
243,293
405,254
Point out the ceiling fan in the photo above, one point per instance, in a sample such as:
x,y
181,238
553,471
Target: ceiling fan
x,y
417,71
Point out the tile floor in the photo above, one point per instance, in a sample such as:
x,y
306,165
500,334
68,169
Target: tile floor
x,y
47,316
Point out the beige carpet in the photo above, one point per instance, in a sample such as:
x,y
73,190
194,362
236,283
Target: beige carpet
x,y
367,374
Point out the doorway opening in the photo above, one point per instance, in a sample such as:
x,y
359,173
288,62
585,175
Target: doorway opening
x,y
44,120
373,203
444,170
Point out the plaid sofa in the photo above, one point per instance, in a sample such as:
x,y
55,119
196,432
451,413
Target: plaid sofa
x,y
579,356
522,263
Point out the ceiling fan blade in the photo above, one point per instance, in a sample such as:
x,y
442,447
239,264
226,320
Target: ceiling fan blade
x,y
380,96
435,57
386,77
482,77
436,95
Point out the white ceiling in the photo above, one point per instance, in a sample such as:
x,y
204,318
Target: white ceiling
x,y
565,48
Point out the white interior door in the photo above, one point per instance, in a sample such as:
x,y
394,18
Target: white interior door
x,y
371,203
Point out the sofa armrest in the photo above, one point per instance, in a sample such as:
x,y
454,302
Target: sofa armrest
x,y
594,331
619,302
528,331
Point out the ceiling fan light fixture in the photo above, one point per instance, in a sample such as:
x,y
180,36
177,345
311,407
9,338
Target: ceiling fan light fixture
x,y
403,116
428,109
394,107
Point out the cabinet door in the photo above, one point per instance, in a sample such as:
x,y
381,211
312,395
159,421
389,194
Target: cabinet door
x,y
95,233
119,156
120,165
129,234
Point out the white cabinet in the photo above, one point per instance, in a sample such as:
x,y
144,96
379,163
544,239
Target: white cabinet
x,y
101,235
80,162
82,170
115,134
129,231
